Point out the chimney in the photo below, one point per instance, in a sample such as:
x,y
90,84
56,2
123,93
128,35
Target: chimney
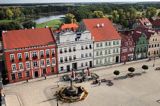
x,y
102,24
98,25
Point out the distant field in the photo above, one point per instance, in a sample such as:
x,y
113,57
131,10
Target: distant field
x,y
53,23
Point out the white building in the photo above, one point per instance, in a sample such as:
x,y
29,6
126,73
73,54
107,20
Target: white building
x,y
75,50
107,41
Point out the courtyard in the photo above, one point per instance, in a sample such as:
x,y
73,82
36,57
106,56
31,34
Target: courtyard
x,y
140,90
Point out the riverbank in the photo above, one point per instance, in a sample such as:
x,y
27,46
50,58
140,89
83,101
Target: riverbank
x,y
53,23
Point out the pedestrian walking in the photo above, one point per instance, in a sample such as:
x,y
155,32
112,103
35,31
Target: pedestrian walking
x,y
45,77
27,80
99,82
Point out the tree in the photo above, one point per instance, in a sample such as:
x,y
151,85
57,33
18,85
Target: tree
x,y
151,12
17,12
9,13
116,72
115,16
131,69
98,14
145,67
70,18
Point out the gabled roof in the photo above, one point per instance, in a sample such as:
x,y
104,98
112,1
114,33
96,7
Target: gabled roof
x,y
101,29
27,38
145,22
69,26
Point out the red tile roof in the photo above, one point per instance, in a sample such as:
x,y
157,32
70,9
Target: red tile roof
x,y
104,32
69,26
27,38
144,21
155,22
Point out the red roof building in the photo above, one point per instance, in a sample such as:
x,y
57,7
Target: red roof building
x,y
106,39
72,26
29,53
155,22
144,22
102,29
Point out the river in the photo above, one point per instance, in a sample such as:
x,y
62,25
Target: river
x,y
48,18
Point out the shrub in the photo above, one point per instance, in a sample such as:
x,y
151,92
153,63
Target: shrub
x,y
131,69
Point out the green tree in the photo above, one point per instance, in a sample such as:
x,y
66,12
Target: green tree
x,y
115,16
98,14
29,24
145,67
70,18
133,13
17,12
9,13
150,12
116,72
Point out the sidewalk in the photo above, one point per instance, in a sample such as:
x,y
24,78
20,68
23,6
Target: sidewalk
x,y
92,69
12,100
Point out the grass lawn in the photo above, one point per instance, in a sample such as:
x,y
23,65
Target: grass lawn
x,y
52,23
3,21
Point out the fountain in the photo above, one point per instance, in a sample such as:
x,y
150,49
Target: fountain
x,y
71,93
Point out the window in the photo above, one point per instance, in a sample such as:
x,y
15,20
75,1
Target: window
x,y
42,62
53,52
81,64
65,50
86,47
19,56
90,46
74,57
11,57
47,52
14,67
70,50
34,55
60,51
35,64
101,45
117,42
20,66
105,51
41,53
109,43
106,43
100,52
66,59
26,55
86,63
70,58
109,51
27,65
13,76
117,50
27,74
61,68
48,62
61,59
90,54
82,48
53,61
19,75
113,50
97,53
74,49
114,43
86,55
82,55
97,45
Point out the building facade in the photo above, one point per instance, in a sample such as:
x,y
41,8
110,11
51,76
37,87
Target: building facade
x,y
107,41
141,45
29,53
75,50
127,48
154,45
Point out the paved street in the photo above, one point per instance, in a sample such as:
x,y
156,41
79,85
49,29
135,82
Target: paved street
x,y
137,91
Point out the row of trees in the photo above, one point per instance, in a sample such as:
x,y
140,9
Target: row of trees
x,y
130,69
